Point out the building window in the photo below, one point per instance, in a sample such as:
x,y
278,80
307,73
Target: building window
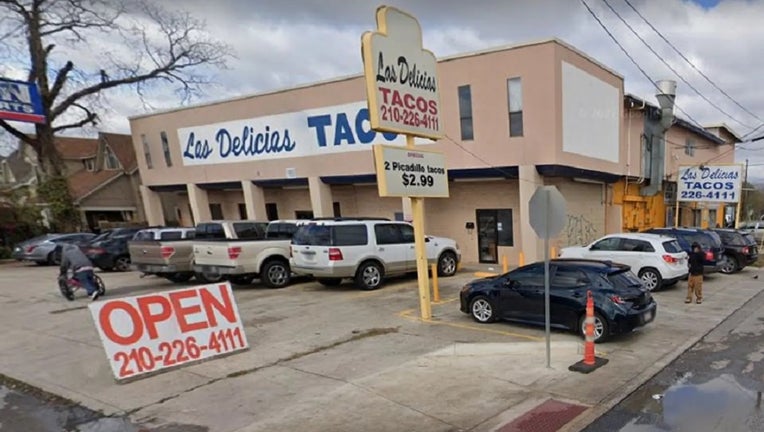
x,y
337,209
166,149
89,164
242,211
216,211
515,102
110,160
303,214
271,211
147,152
689,147
465,112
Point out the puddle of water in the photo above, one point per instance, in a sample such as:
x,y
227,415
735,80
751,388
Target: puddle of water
x,y
721,404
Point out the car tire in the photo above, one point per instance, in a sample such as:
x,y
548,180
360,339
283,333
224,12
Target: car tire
x,y
447,264
52,259
482,310
178,277
651,278
41,263
728,264
122,264
276,274
241,280
369,276
331,282
100,286
208,278
601,328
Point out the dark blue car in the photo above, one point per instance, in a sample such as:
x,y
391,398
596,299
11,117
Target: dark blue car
x,y
708,240
621,302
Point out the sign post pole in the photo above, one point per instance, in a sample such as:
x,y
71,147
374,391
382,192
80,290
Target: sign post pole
x,y
676,211
740,200
417,208
547,325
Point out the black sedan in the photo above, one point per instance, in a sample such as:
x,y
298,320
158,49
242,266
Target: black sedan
x,y
621,302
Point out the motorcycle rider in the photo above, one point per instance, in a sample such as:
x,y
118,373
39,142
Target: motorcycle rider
x,y
72,258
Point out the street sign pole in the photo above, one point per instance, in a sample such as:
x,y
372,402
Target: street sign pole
x,y
417,208
547,325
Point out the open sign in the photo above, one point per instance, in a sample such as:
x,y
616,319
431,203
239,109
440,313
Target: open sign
x,y
152,332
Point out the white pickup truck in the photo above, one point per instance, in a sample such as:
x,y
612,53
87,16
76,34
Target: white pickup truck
x,y
240,252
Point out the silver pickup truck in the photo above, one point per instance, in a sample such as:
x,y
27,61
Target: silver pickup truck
x,y
164,252
240,252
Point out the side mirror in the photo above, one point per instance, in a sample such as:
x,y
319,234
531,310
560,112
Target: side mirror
x,y
509,283
426,239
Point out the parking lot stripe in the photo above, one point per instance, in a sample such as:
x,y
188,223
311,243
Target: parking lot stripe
x,y
407,315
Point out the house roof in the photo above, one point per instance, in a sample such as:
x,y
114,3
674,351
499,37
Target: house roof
x,y
724,126
122,146
83,183
679,121
76,148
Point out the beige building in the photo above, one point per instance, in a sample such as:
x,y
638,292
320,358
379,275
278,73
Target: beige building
x,y
516,118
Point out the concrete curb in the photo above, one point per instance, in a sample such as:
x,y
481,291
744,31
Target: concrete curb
x,y
614,398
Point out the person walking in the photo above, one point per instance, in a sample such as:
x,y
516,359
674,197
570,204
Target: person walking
x,y
695,279
72,258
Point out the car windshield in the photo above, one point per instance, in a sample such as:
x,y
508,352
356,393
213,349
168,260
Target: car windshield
x,y
624,279
749,239
672,246
315,235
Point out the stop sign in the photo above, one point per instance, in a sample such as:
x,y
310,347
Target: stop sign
x,y
547,211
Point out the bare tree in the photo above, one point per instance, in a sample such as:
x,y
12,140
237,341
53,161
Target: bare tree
x,y
155,46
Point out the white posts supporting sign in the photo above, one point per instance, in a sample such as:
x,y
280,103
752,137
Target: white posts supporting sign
x,y
547,215
402,91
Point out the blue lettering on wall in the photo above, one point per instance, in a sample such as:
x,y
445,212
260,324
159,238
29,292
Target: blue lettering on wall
x,y
343,130
250,143
196,149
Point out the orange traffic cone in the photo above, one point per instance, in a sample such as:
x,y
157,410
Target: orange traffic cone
x,y
590,361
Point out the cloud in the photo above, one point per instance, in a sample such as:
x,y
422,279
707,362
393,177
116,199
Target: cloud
x,y
289,42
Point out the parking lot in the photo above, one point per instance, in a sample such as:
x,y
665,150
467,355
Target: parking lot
x,y
340,359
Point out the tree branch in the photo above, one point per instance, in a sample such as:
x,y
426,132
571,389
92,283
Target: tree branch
x,y
90,117
61,77
17,133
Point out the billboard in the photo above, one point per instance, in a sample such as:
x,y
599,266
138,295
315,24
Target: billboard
x,y
710,183
20,101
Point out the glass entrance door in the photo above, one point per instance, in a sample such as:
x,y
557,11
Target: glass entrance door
x,y
488,251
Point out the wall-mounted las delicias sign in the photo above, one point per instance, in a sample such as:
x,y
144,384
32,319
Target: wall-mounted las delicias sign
x,y
401,77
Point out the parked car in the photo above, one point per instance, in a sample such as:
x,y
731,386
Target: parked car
x,y
756,228
239,251
740,250
658,260
366,250
41,249
621,302
108,251
79,241
283,228
708,240
164,252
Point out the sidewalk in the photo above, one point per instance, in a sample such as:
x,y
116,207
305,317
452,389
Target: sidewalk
x,y
343,360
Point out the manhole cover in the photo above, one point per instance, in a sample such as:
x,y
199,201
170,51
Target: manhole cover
x,y
550,416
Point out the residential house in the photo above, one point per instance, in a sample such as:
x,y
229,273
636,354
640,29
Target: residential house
x,y
102,173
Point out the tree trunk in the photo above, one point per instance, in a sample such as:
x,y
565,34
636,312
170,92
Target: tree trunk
x,y
48,158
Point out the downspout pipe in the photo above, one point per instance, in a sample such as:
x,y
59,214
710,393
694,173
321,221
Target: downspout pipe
x,y
656,132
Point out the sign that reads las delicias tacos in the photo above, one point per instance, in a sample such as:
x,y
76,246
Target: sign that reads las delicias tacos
x,y
148,333
401,77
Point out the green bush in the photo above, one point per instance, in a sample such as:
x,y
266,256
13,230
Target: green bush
x,y
5,252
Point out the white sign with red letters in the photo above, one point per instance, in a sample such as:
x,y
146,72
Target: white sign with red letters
x,y
151,332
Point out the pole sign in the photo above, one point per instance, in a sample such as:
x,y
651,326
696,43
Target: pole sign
x,y
710,183
401,77
405,172
20,101
152,332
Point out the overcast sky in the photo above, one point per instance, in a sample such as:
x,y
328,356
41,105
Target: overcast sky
x,y
280,43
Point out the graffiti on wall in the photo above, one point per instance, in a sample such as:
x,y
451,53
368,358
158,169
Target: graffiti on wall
x,y
579,230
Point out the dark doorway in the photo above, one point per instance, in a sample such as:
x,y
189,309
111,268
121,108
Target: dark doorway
x,y
271,211
303,214
242,211
216,211
337,209
495,229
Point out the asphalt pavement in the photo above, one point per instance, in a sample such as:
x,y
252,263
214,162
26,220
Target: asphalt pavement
x,y
717,385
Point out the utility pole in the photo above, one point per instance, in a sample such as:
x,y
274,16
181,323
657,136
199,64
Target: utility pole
x,y
744,191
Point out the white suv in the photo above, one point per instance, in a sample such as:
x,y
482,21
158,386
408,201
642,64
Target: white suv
x,y
658,260
366,250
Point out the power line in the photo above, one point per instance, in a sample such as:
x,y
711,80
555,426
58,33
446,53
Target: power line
x,y
671,68
636,64
628,2
489,165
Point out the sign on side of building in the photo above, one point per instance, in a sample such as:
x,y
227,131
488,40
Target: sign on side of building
x,y
410,172
152,332
320,131
401,77
710,183
20,101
